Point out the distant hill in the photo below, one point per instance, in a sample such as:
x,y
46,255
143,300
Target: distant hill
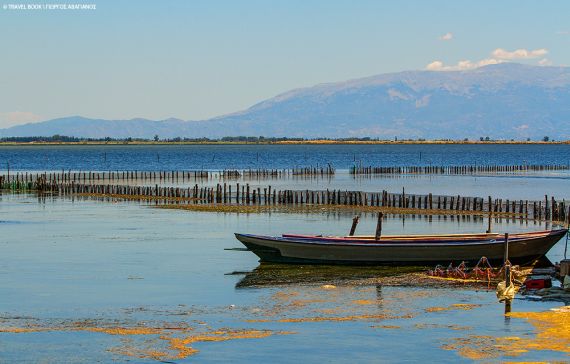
x,y
98,128
506,100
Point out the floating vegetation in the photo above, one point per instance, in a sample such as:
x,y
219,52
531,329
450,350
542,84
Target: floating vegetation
x,y
386,327
182,345
300,305
168,342
364,302
341,318
442,326
456,306
551,334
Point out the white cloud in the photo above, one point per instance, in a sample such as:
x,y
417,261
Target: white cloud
x,y
461,65
446,36
435,66
12,118
501,53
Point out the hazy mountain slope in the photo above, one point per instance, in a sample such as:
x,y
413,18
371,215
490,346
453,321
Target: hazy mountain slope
x,y
501,101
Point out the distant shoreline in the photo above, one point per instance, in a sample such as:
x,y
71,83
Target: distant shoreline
x,y
290,142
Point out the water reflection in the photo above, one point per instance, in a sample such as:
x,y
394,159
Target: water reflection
x,y
44,198
379,298
267,275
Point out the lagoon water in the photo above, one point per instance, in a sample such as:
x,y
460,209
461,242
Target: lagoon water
x,y
531,185
68,260
216,157
74,269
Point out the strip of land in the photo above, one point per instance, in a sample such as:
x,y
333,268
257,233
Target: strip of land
x,y
286,142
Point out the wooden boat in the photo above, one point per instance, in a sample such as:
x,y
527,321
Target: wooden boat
x,y
400,249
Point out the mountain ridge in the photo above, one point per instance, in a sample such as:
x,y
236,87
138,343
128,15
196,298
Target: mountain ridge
x,y
507,100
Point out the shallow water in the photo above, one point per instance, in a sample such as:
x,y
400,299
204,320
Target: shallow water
x,y
125,264
215,157
531,185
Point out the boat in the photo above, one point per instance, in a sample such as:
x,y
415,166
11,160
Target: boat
x,y
523,248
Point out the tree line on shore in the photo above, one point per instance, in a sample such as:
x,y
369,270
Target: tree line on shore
x,y
232,139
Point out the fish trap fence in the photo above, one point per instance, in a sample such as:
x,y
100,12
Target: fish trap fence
x,y
456,170
161,176
548,209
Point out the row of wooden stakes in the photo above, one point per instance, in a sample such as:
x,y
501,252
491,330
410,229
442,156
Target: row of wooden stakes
x,y
456,170
244,194
162,176
177,176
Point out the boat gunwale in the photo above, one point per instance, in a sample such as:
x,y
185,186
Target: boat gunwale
x,y
409,243
422,236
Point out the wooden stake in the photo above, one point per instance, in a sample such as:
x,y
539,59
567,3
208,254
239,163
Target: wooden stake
x,y
506,251
354,223
379,226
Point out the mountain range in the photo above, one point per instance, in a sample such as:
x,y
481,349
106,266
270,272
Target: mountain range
x,y
502,101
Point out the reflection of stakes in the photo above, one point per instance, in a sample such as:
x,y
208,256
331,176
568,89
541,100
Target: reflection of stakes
x,y
379,299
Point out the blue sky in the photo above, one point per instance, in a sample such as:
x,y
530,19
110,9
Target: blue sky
x,y
198,59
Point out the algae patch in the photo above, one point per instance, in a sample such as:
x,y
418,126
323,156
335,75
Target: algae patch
x,y
551,333
455,306
167,342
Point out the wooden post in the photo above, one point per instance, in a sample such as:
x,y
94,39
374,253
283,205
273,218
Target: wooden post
x,y
506,250
379,226
354,223
489,223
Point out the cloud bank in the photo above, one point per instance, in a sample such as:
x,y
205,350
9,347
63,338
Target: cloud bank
x,y
519,53
499,55
461,65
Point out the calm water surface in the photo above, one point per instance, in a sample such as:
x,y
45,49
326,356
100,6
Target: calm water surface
x,y
185,157
70,260
532,185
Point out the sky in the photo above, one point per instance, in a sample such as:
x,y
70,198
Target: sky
x,y
194,59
